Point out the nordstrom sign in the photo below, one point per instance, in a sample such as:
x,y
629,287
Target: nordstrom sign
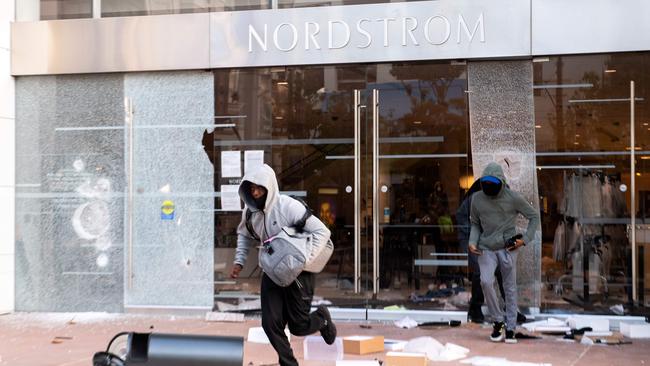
x,y
406,31
434,30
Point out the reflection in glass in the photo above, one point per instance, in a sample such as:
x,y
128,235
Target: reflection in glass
x,y
65,9
120,8
582,113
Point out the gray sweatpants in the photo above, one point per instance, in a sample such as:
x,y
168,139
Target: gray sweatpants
x,y
507,262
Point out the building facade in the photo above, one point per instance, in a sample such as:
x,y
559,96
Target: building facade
x,y
135,121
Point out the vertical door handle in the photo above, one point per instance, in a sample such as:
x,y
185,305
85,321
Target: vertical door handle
x,y
375,190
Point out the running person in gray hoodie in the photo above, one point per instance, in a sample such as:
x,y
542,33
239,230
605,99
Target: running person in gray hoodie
x,y
493,215
281,306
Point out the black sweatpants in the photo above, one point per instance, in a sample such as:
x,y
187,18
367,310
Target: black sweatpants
x,y
282,306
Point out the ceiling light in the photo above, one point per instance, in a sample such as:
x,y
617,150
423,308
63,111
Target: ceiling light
x,y
417,122
635,148
279,117
541,59
609,71
638,174
538,126
645,124
577,135
576,143
645,157
283,83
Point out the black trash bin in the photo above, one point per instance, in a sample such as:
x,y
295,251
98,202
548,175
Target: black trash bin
x,y
158,349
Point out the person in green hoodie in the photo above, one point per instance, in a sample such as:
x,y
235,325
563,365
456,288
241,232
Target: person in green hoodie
x,y
494,239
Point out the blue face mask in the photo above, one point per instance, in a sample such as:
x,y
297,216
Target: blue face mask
x,y
491,185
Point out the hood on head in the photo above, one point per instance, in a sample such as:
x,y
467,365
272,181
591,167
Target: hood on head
x,y
263,176
495,170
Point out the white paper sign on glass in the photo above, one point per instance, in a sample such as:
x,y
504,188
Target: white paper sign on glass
x,y
231,164
230,197
253,159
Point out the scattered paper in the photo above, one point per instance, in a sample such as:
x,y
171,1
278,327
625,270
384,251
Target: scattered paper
x,y
244,306
435,351
617,309
406,323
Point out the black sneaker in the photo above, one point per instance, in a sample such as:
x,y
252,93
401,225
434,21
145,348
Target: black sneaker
x,y
521,318
497,332
328,331
510,337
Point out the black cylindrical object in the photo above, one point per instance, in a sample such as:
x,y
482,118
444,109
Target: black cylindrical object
x,y
184,350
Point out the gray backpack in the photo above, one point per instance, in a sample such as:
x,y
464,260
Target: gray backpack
x,y
283,256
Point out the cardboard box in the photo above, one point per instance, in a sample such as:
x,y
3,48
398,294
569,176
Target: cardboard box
x,y
361,345
597,323
635,330
405,359
357,363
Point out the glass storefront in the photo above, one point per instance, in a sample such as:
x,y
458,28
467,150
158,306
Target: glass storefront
x,y
584,144
405,124
112,213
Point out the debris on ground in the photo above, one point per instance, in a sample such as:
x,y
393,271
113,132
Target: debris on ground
x,y
498,361
315,348
251,305
406,323
617,309
60,339
215,316
394,345
434,350
550,325
635,330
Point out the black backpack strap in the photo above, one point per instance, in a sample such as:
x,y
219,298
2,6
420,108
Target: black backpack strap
x,y
300,225
249,226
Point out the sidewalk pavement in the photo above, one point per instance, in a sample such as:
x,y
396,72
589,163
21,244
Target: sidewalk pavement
x,y
26,339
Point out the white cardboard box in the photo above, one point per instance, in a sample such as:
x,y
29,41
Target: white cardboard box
x,y
635,330
597,323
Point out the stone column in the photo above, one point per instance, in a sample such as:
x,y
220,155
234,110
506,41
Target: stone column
x,y
502,129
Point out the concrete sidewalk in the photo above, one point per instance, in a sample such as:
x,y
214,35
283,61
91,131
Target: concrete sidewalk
x,y
26,339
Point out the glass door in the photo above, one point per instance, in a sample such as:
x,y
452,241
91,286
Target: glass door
x,y
366,146
413,163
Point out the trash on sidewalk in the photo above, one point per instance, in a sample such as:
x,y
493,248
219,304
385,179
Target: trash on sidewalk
x,y
520,335
596,323
635,330
251,305
550,325
60,339
361,345
448,323
498,361
434,350
406,323
405,359
257,335
394,308
214,316
586,341
617,309
394,345
357,363
315,348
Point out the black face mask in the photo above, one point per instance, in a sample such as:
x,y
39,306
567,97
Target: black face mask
x,y
490,188
261,202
